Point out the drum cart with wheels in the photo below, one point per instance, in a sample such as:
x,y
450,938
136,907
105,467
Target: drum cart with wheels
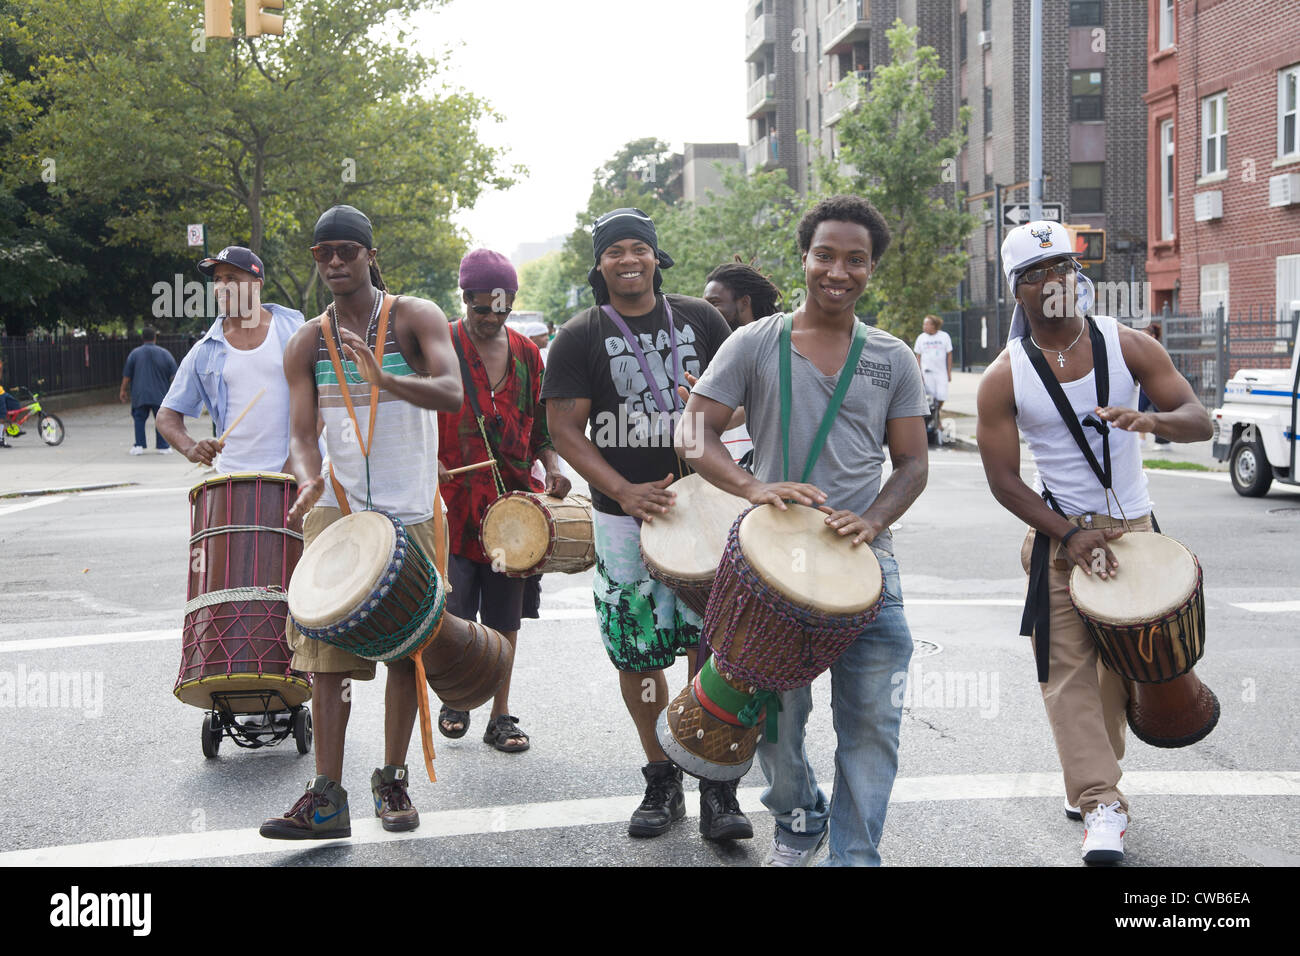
x,y
255,719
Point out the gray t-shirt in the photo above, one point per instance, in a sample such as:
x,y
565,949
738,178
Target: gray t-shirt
x,y
886,384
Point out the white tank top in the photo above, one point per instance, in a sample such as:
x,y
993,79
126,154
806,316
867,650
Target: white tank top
x,y
261,441
1057,456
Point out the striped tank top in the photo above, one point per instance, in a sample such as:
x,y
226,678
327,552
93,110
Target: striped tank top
x,y
403,472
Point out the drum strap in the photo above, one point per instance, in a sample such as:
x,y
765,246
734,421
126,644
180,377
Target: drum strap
x,y
641,359
1035,622
456,331
837,399
366,444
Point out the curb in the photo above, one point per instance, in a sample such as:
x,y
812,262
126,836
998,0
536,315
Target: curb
x,y
38,492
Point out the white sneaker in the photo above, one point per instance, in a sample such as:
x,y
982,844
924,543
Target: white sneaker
x,y
1072,813
782,855
1103,834
136,450
164,451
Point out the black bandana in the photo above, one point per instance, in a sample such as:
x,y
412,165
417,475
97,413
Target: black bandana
x,y
343,224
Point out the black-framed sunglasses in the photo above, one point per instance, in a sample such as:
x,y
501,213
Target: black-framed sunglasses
x,y
489,309
346,252
1038,273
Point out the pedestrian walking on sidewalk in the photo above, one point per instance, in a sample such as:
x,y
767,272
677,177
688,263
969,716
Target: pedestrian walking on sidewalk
x,y
145,380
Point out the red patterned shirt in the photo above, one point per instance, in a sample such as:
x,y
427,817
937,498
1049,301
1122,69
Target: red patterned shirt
x,y
515,421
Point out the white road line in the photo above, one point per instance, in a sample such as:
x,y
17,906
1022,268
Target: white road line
x,y
34,503
598,811
1270,607
85,640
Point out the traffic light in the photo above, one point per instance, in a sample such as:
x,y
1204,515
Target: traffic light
x,y
1089,244
256,22
216,18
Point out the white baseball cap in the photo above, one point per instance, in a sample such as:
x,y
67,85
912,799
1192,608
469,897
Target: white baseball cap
x,y
533,328
1036,242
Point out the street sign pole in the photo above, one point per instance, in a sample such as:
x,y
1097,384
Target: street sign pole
x,y
997,271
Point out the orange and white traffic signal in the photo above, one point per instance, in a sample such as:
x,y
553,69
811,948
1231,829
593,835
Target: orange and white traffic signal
x,y
256,22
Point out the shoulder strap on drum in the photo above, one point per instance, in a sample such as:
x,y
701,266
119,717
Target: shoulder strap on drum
x,y
837,399
1036,620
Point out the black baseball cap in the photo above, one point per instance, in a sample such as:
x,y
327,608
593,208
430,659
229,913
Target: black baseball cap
x,y
236,256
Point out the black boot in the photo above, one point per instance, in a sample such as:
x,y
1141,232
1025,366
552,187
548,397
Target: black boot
x,y
720,816
664,801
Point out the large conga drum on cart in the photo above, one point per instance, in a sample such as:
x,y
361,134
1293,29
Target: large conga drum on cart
x,y
234,656
791,594
1148,622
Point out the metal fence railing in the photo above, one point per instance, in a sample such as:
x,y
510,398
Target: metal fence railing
x,y
53,365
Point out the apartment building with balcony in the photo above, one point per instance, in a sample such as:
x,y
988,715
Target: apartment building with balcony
x,y
1223,147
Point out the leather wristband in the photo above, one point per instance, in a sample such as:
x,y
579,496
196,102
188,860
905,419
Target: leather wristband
x,y
1073,531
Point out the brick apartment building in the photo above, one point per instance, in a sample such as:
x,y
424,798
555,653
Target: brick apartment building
x,y
1223,136
1094,119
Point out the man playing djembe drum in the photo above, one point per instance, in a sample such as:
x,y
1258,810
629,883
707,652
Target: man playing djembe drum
x,y
384,458
841,240
501,420
618,369
1048,370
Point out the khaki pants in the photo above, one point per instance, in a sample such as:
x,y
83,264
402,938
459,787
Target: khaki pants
x,y
317,657
1087,705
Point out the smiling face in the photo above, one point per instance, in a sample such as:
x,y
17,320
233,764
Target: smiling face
x,y
628,268
1045,293
837,265
237,292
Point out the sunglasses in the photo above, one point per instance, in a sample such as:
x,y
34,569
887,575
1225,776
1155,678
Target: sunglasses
x,y
1062,268
346,252
489,309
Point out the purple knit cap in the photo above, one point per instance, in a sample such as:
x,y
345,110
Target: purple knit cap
x,y
486,271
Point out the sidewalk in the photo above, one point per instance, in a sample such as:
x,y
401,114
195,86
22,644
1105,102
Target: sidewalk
x,y
961,405
94,452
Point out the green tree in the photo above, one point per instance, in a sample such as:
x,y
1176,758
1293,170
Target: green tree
x,y
254,137
544,288
754,219
890,154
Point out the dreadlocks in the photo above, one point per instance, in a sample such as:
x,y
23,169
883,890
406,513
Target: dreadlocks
x,y
742,279
376,279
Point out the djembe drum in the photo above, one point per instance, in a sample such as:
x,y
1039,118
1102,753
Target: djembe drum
x,y
683,547
1148,623
791,595
526,534
365,586
242,554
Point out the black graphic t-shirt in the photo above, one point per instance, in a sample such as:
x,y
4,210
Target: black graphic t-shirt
x,y
590,359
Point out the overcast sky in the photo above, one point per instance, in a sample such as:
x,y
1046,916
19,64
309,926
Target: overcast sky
x,y
575,80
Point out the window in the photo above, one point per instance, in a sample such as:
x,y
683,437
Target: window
x,y
1288,296
988,14
961,36
1214,134
1085,95
1166,24
1288,116
1085,13
988,110
1214,288
1167,179
1085,187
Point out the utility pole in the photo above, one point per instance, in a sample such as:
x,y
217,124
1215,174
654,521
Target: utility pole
x,y
1036,110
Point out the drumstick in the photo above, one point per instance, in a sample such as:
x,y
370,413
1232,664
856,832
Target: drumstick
x,y
247,408
481,464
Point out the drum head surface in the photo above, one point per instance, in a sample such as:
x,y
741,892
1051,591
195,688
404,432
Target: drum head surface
x,y
1156,576
341,568
798,555
517,527
238,476
688,541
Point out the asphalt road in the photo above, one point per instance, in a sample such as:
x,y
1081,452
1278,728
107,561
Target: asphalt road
x,y
95,584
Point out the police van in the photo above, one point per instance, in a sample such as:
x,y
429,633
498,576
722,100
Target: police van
x,y
1255,428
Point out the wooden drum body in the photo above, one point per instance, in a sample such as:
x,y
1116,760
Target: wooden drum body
x,y
683,548
526,534
367,587
790,596
1148,623
242,555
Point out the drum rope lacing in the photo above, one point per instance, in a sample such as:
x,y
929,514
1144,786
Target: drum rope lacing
x,y
225,528
234,595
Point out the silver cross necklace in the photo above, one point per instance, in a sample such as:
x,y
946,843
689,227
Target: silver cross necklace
x,y
1060,353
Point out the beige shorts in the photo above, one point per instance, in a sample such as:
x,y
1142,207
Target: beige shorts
x,y
315,656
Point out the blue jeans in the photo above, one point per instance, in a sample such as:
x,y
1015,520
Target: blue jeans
x,y
865,684
141,415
